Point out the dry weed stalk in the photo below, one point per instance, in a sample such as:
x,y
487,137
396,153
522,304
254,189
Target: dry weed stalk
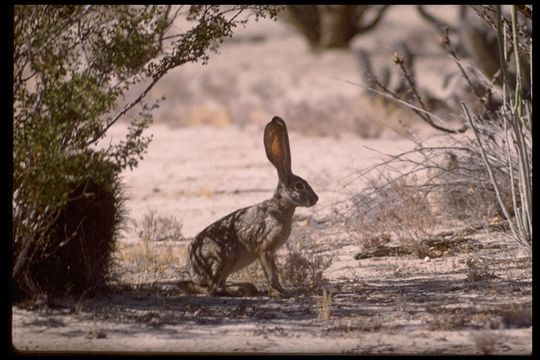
x,y
325,310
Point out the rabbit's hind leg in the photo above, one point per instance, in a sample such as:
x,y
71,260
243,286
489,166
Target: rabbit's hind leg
x,y
219,287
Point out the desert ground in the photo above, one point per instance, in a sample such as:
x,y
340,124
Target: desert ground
x,y
206,159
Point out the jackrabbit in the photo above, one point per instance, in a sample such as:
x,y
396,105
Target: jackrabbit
x,y
255,232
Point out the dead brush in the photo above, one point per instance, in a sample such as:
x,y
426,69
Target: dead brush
x,y
465,193
304,272
396,208
154,227
300,268
156,252
495,133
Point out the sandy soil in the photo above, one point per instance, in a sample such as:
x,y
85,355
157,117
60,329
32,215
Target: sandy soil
x,y
392,304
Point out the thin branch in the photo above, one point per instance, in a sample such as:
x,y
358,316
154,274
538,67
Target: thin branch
x,y
374,22
400,62
439,24
409,105
124,110
393,158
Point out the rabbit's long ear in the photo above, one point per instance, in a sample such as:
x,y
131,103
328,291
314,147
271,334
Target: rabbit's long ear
x,y
276,143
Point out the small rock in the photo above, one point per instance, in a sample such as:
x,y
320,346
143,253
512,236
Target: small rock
x,y
427,259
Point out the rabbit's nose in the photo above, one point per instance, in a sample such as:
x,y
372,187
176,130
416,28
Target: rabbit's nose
x,y
315,199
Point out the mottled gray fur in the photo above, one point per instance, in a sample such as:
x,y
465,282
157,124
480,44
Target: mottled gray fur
x,y
252,233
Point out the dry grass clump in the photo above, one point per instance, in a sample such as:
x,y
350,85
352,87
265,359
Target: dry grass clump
x,y
485,341
154,227
303,271
157,252
397,209
464,192
151,258
300,268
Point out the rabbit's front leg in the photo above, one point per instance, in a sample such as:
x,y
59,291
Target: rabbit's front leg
x,y
268,263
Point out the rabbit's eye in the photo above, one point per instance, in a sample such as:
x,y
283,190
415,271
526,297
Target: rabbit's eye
x,y
299,185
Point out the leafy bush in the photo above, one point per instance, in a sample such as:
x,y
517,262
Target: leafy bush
x,y
74,254
73,68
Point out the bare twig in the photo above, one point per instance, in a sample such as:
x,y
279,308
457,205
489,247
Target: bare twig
x,y
409,105
439,24
123,111
374,22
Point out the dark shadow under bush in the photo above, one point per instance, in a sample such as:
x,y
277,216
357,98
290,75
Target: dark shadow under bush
x,y
76,256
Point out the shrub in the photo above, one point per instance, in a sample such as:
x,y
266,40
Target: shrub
x,y
303,272
74,254
490,164
299,267
465,192
154,227
393,208
73,68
